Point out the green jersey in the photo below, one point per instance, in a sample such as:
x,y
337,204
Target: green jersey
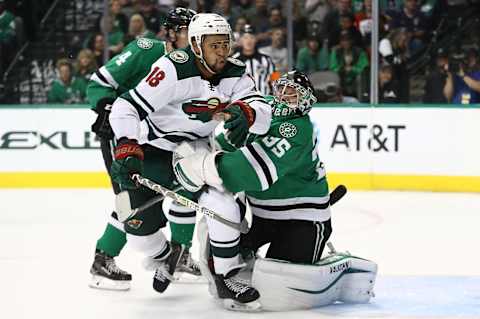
x,y
280,171
124,71
74,93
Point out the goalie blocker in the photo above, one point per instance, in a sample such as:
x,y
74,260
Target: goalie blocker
x,y
285,286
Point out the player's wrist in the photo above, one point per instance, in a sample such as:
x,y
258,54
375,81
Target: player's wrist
x,y
128,147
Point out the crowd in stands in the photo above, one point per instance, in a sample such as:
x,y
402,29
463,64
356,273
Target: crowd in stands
x,y
330,36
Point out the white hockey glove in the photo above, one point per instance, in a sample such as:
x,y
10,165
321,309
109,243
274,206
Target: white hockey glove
x,y
195,168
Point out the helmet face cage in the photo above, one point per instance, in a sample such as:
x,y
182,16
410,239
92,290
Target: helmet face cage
x,y
303,88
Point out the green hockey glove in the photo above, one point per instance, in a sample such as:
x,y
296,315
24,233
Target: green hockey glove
x,y
241,118
128,160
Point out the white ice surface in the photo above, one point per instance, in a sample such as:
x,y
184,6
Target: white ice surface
x,y
426,245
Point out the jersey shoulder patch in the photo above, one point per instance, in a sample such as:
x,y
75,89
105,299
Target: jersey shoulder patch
x,y
144,43
235,61
179,56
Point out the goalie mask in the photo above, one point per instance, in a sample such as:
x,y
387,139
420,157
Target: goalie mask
x,y
204,24
295,89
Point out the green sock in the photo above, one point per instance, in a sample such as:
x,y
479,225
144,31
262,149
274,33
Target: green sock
x,y
182,233
112,241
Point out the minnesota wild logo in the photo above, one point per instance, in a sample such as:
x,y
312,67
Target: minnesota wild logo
x,y
203,110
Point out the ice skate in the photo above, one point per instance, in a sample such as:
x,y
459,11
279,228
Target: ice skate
x,y
236,293
165,268
107,275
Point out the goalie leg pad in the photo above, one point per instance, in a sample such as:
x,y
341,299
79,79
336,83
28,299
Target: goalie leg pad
x,y
285,286
204,241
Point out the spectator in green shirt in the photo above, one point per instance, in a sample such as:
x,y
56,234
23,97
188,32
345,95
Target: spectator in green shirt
x,y
7,24
349,62
67,89
312,58
7,37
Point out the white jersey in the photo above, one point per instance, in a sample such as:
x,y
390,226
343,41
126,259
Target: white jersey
x,y
173,103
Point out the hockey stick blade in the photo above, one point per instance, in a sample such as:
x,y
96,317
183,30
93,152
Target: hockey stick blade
x,y
125,211
181,200
337,194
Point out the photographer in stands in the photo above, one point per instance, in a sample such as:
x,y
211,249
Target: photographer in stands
x,y
463,82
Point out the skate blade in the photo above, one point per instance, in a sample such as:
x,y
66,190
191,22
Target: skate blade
x,y
99,282
253,306
186,278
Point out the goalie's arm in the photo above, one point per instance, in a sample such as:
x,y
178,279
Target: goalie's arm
x,y
254,167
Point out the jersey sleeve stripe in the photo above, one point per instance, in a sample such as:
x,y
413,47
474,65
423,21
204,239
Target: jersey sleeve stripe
x,y
154,134
262,164
161,133
141,112
107,77
253,97
144,102
271,166
258,170
100,79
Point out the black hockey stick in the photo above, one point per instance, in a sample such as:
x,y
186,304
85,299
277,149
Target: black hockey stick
x,y
337,194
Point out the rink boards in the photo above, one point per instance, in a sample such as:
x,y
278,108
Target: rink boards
x,y
363,148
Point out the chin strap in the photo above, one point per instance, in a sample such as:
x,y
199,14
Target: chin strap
x,y
204,63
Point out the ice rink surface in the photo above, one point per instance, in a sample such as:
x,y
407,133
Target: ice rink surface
x,y
426,246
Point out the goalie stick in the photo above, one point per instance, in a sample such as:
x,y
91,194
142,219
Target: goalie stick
x,y
337,194
181,200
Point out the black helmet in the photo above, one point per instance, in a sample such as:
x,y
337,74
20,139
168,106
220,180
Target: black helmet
x,y
178,17
305,91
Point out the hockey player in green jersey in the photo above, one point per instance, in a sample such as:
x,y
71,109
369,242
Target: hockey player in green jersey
x,y
177,102
285,184
281,174
121,73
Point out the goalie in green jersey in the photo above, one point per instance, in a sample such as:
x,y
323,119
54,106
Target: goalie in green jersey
x,y
280,173
120,74
285,184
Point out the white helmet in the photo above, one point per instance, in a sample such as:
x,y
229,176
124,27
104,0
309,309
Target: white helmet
x,y
207,24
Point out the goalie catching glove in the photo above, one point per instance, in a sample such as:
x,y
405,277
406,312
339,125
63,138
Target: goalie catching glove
x,y
194,168
128,161
241,118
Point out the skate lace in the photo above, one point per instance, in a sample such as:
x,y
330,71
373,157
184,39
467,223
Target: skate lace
x,y
189,262
237,285
161,273
112,267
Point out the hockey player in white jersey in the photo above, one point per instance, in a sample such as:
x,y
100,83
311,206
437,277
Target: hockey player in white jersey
x,y
177,101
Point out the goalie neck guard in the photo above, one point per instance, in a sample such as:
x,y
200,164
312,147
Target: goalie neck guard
x,y
295,90
203,24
